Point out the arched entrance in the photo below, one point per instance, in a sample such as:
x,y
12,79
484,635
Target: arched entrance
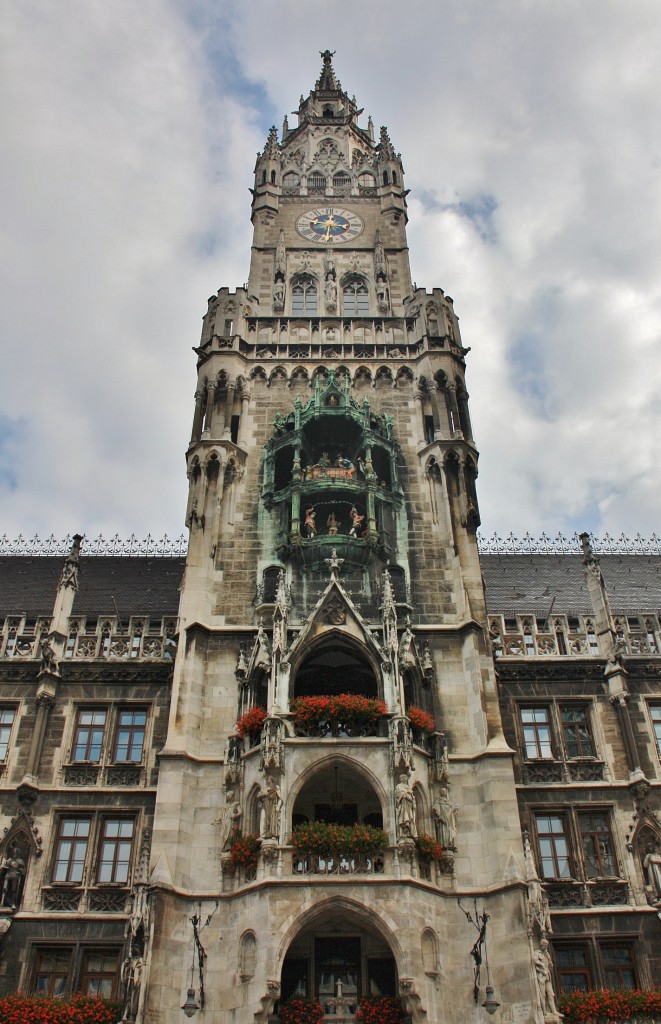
x,y
336,667
339,945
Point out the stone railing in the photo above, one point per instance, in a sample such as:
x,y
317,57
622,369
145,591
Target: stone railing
x,y
546,771
20,641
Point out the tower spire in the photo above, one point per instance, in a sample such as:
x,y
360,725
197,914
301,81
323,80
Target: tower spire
x,y
328,81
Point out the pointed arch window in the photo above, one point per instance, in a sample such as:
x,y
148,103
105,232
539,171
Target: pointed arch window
x,y
304,296
341,180
355,297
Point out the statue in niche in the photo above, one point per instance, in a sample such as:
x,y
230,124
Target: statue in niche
x,y
445,823
271,801
405,808
382,297
652,867
329,265
544,974
13,876
330,292
131,977
278,295
48,658
229,820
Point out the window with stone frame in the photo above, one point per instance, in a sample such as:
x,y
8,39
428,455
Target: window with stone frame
x,y
576,731
304,296
89,734
70,851
52,968
557,730
594,964
597,845
575,844
61,971
130,732
618,965
536,727
553,845
7,716
655,715
99,973
573,968
115,849
355,297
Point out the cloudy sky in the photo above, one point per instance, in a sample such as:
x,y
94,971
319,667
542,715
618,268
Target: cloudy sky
x,y
531,137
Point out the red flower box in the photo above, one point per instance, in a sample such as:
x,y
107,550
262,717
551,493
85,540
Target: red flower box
x,y
380,1010
609,1006
421,720
301,1011
251,724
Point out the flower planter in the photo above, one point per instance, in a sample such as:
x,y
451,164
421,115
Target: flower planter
x,y
610,1007
346,714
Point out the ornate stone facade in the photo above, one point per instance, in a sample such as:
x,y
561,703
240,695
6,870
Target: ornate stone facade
x,y
286,786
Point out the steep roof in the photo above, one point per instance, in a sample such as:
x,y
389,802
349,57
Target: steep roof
x,y
517,584
140,585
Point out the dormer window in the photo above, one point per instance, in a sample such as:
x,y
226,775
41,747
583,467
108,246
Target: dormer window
x,y
328,112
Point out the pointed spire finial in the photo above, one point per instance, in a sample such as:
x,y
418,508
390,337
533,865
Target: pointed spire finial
x,y
271,147
327,81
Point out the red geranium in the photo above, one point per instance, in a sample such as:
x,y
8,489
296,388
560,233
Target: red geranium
x,y
244,851
251,723
420,719
301,1010
380,1010
611,1006
428,848
21,1009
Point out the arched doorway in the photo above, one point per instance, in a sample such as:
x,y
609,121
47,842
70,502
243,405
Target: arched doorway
x,y
339,945
339,794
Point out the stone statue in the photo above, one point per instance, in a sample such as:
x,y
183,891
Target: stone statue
x,y
131,976
229,820
330,291
13,867
405,807
48,658
445,825
271,801
544,973
278,295
652,866
329,265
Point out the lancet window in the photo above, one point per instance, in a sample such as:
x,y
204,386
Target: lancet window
x,y
304,296
355,297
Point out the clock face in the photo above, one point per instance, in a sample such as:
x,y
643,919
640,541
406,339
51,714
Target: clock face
x,y
329,225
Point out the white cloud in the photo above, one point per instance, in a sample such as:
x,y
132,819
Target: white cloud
x,y
131,132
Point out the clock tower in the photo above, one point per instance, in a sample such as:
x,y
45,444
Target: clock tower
x,y
335,780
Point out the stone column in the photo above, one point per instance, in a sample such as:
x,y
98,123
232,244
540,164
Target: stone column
x,y
197,417
451,389
245,399
211,395
229,404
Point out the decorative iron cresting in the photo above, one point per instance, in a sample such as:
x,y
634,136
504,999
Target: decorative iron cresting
x,y
561,545
165,547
